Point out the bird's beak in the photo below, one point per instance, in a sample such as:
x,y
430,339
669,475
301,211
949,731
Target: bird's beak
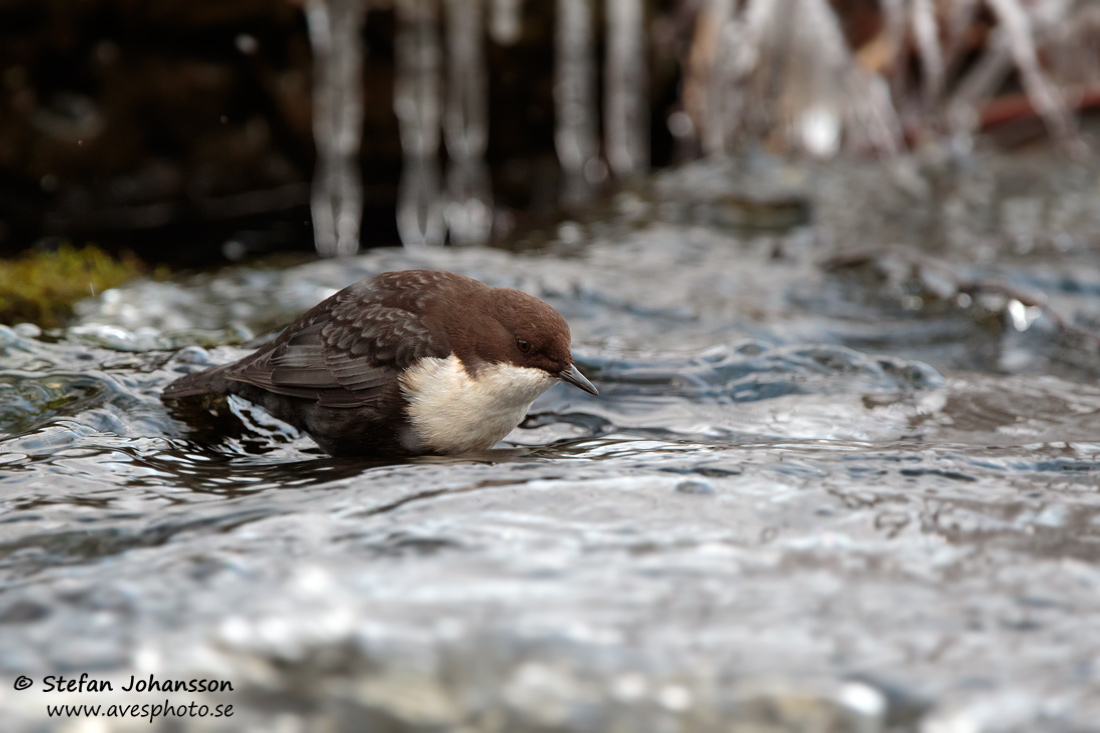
x,y
577,379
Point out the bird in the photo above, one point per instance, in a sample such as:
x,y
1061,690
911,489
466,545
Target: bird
x,y
400,364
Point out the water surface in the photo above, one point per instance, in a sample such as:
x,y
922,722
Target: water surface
x,y
842,475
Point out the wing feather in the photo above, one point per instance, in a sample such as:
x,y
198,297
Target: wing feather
x,y
346,352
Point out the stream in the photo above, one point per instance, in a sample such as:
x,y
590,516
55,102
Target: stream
x,y
842,475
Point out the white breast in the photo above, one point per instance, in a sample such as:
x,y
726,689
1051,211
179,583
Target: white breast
x,y
452,412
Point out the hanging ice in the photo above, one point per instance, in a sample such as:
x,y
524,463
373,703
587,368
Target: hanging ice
x,y
337,193
931,54
575,135
417,102
812,101
739,38
469,210
1016,27
506,21
1013,42
626,102
783,67
718,59
893,33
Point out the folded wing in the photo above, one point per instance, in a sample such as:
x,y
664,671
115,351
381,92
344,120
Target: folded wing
x,y
347,355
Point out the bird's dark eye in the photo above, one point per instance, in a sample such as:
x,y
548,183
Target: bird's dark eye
x,y
523,346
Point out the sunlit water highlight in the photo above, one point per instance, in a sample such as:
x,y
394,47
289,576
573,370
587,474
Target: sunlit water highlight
x,y
814,491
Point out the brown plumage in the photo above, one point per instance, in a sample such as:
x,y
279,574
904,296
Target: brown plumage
x,y
374,369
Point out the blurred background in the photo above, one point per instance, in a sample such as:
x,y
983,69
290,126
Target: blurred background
x,y
192,132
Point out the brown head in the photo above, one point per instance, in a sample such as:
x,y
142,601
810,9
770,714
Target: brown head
x,y
498,325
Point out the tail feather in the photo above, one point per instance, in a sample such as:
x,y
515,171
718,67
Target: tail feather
x,y
208,382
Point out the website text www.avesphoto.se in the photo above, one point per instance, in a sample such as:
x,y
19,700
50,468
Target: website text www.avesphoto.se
x,y
147,711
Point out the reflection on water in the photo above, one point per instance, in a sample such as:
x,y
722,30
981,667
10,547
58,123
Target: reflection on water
x,y
819,491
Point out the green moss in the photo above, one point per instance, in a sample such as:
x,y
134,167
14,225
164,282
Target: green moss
x,y
42,287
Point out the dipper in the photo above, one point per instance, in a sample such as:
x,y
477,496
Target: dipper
x,y
404,363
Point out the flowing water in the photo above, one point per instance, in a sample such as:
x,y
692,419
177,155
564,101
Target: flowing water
x,y
842,476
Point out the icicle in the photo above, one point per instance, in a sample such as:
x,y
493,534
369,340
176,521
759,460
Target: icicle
x,y
626,103
817,62
417,103
978,85
337,196
419,207
731,100
959,18
506,21
1016,26
469,210
931,55
872,118
893,19
784,66
575,136
721,32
